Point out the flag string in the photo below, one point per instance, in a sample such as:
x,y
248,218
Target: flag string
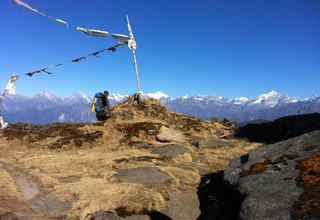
x,y
44,70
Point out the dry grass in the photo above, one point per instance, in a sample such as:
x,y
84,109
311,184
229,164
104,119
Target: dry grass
x,y
219,158
99,195
79,162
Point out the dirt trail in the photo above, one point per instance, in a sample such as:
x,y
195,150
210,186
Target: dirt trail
x,y
40,202
28,187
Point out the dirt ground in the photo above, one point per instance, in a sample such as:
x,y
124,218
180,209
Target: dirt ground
x,y
76,165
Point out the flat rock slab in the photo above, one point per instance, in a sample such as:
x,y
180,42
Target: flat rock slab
x,y
170,135
170,150
183,205
148,176
50,205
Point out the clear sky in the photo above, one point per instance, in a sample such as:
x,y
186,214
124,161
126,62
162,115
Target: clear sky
x,y
228,48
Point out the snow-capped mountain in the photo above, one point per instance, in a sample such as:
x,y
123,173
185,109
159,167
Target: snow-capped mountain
x,y
158,95
272,99
49,108
115,97
78,97
239,101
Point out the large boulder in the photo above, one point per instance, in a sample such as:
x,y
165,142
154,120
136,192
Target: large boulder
x,y
170,135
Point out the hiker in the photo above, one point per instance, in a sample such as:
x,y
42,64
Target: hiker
x,y
101,105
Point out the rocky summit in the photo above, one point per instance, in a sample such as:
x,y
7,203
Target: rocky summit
x,y
146,162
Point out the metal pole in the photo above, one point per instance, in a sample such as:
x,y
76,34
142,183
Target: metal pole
x,y
132,45
136,67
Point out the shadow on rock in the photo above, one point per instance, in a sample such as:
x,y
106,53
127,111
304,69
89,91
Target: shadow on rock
x,y
218,199
158,216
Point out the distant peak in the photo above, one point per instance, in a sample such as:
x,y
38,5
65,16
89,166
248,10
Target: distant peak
x,y
157,95
266,95
244,99
47,95
78,94
240,100
185,97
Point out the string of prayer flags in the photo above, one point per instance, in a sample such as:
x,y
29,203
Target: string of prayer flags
x,y
19,2
113,48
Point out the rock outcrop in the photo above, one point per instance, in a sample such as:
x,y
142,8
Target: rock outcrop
x,y
280,181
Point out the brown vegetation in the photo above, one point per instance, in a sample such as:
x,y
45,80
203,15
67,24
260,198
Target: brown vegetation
x,y
308,205
256,168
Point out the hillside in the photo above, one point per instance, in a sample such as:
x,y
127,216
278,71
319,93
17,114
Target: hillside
x,y
144,162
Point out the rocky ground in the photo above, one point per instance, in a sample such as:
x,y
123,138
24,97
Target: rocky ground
x,y
277,181
145,162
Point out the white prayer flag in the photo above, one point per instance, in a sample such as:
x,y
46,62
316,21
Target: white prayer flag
x,y
120,38
94,33
10,88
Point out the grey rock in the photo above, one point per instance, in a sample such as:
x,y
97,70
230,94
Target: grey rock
x,y
182,205
273,192
170,135
148,176
170,150
49,205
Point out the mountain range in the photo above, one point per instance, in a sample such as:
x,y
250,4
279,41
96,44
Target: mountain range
x,y
47,107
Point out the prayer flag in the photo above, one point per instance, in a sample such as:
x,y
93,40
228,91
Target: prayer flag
x,y
40,13
92,32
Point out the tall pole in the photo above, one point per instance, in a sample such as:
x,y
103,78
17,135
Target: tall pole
x,y
133,46
136,67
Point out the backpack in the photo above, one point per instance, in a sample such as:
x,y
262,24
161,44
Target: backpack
x,y
97,104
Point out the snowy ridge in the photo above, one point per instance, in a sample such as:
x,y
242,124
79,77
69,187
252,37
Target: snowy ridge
x,y
273,98
117,97
49,107
158,95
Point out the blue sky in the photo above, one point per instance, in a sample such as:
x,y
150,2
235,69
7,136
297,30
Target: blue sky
x,y
227,48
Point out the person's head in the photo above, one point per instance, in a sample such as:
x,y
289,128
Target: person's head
x,y
106,93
